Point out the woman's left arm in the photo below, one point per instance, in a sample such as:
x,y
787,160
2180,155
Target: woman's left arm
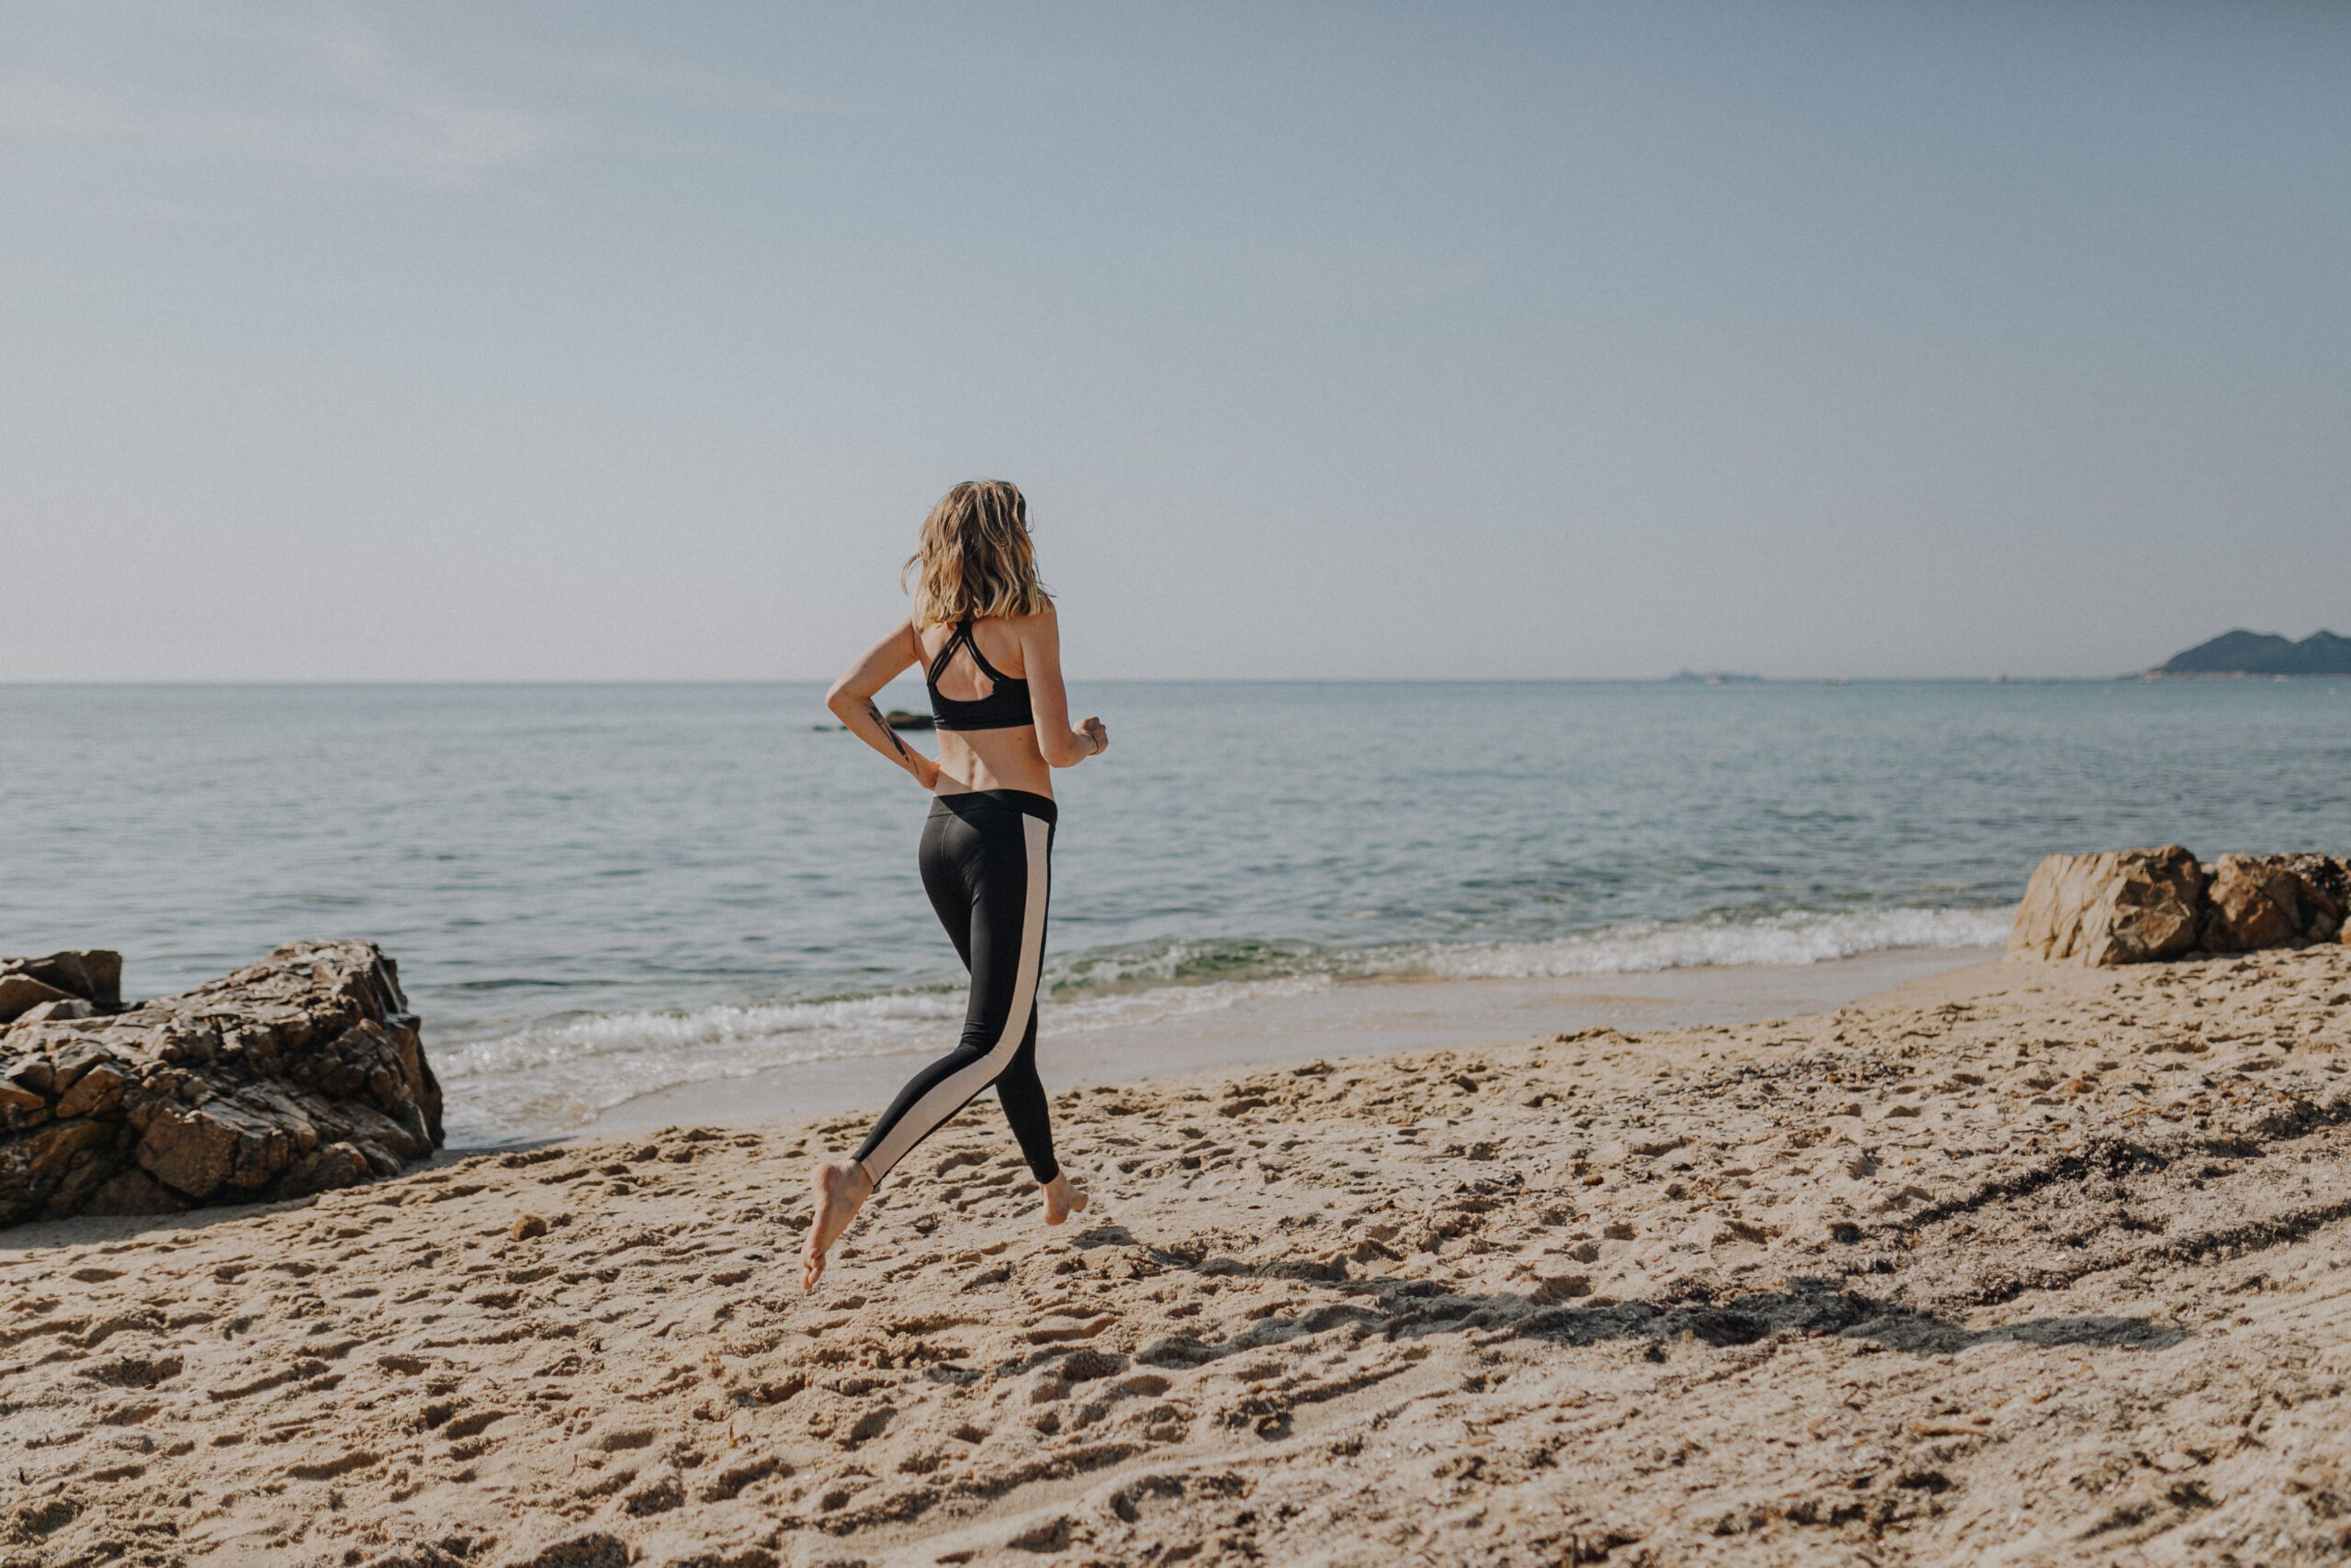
x,y
1041,654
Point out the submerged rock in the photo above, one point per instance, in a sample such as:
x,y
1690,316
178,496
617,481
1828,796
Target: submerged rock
x,y
301,1072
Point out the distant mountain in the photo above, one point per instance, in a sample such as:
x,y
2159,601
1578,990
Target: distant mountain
x,y
2243,652
1712,677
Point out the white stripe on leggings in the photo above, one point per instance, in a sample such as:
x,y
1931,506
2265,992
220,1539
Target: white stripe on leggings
x,y
953,1093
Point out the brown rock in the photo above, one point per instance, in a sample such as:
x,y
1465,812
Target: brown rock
x,y
64,1010
336,1164
2265,901
377,1135
20,994
78,1180
95,1093
192,1151
2323,885
70,1057
222,1142
291,1076
34,1072
95,975
2120,906
47,1152
290,1112
2255,902
21,1108
134,1191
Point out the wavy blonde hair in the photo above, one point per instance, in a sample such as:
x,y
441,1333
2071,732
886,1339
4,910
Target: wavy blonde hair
x,y
974,558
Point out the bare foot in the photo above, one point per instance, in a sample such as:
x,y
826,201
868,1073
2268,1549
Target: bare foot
x,y
841,1188
1062,1199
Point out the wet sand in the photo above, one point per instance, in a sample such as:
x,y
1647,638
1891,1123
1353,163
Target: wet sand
x,y
1348,1019
2023,1265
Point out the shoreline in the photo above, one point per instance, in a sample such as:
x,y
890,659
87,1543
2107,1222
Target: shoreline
x,y
2020,1262
1347,1018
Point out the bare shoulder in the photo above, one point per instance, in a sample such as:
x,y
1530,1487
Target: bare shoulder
x,y
1031,631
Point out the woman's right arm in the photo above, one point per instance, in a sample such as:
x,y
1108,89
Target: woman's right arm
x,y
852,701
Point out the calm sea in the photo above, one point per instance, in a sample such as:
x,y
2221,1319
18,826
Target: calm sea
x,y
595,891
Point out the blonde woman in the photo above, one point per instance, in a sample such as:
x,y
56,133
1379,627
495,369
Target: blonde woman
x,y
984,633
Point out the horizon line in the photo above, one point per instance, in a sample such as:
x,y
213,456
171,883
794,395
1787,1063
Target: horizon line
x,y
1701,679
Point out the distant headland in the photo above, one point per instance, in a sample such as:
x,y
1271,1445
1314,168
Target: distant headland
x,y
2243,652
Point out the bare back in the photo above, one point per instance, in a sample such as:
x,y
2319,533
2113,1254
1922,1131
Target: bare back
x,y
987,740
973,759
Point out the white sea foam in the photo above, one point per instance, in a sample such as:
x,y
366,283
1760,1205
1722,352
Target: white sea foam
x,y
562,1076
1778,940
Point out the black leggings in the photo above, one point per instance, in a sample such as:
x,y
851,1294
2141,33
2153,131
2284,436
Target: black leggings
x,y
987,863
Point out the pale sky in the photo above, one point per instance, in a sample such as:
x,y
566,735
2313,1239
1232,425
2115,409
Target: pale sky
x,y
573,341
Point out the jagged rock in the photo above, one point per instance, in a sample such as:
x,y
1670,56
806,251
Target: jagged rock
x,y
133,1192
20,994
2254,905
94,976
62,1009
2119,907
21,1108
322,1170
2265,901
2324,882
298,1074
2131,905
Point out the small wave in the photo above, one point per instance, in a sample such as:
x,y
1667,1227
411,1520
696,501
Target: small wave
x,y
1789,940
610,1035
1186,961
562,1075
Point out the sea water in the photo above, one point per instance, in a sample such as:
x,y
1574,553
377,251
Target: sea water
x,y
594,892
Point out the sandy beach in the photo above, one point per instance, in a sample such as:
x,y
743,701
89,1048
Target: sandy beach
x,y
2021,1264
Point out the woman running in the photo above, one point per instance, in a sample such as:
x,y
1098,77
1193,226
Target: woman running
x,y
983,632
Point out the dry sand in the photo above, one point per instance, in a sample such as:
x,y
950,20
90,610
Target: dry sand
x,y
2025,1265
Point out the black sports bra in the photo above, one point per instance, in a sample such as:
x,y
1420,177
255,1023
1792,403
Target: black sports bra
x,y
1006,706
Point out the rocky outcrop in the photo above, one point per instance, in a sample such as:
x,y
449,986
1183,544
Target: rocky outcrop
x,y
2121,906
63,984
2130,906
299,1073
2268,901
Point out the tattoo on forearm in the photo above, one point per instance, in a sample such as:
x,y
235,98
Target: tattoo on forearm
x,y
874,714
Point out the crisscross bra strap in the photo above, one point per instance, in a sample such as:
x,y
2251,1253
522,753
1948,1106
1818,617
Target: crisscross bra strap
x,y
946,651
961,637
1006,706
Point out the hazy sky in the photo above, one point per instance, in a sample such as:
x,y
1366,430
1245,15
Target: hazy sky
x,y
633,341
